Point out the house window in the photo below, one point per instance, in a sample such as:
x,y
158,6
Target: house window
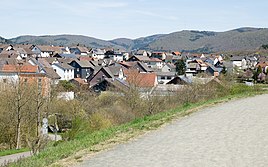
x,y
77,70
163,77
169,77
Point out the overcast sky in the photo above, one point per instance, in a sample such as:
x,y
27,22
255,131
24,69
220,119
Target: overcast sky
x,y
109,19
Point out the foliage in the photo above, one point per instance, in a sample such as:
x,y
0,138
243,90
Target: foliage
x,y
66,86
264,46
180,67
83,140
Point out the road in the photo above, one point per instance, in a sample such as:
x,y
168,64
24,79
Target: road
x,y
231,134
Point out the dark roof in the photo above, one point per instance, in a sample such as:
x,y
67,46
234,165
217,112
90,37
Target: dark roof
x,y
166,73
68,56
51,73
63,66
236,58
145,67
84,63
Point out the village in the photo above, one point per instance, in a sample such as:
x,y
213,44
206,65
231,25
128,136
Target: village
x,y
100,70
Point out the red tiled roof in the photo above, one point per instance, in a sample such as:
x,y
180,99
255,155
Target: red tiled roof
x,y
177,53
262,64
85,58
80,81
155,60
143,80
17,68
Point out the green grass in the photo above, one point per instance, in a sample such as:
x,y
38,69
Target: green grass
x,y
13,151
63,150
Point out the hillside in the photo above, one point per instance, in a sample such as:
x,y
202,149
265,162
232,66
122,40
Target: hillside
x,y
204,41
190,41
3,40
64,40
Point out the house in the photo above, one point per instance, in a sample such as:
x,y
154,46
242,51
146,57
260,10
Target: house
x,y
154,63
159,55
10,54
143,53
105,72
141,80
64,70
82,68
98,54
22,53
239,62
172,59
26,74
79,50
179,80
45,68
176,53
80,83
195,66
63,55
117,56
115,84
4,47
142,67
47,51
169,67
263,65
165,77
139,58
212,70
52,75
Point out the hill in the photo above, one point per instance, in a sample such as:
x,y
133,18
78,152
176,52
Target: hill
x,y
63,40
187,40
4,41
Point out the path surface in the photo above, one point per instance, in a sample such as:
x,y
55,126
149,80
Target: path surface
x,y
13,157
232,134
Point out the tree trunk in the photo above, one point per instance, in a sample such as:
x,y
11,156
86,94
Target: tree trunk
x,y
18,146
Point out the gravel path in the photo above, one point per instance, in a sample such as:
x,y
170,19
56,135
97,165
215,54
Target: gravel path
x,y
231,134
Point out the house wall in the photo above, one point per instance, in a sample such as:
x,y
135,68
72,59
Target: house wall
x,y
42,82
237,63
64,74
85,72
166,69
203,68
6,79
98,56
118,58
164,79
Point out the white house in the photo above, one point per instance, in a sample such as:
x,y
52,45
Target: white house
x,y
238,61
47,51
65,71
165,77
98,54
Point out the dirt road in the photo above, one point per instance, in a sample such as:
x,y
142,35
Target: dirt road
x,y
231,134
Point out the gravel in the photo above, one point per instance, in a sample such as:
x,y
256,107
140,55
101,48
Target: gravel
x,y
230,134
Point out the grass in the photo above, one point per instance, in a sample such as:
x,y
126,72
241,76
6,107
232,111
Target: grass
x,y
13,151
63,150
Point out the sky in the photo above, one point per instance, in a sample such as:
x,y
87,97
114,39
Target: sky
x,y
110,19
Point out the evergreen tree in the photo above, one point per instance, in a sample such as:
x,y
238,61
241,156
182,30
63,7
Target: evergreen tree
x,y
180,67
